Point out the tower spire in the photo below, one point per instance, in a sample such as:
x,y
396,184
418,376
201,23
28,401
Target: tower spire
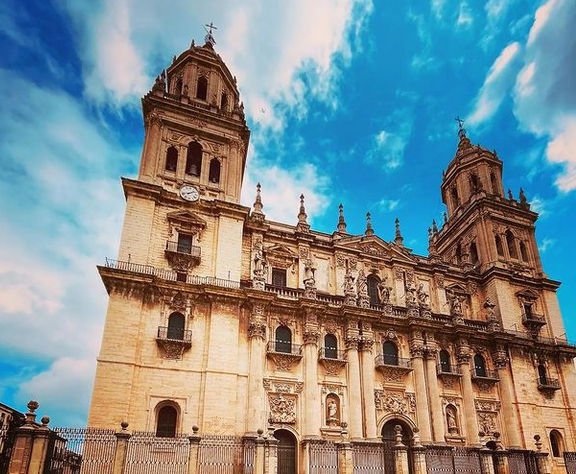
x,y
341,221
369,230
398,239
258,202
302,225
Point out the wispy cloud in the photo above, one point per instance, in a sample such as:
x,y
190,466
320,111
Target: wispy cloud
x,y
388,205
546,244
387,146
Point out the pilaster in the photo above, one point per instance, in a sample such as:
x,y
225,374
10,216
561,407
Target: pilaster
x,y
422,407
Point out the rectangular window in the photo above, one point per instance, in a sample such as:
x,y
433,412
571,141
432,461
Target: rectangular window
x,y
184,243
278,277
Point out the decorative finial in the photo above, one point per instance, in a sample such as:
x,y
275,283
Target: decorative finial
x,y
210,41
510,196
523,200
302,225
434,227
258,202
398,235
369,230
192,44
445,217
341,222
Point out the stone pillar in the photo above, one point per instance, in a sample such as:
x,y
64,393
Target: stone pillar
x,y
486,463
345,465
400,453
509,414
434,396
39,448
194,440
153,126
256,397
259,458
542,460
122,438
312,405
419,455
422,407
270,455
367,377
354,393
501,463
463,356
23,442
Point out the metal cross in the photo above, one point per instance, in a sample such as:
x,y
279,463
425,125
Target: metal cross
x,y
460,122
210,27
209,38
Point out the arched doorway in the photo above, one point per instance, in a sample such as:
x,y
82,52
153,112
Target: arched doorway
x,y
286,452
389,439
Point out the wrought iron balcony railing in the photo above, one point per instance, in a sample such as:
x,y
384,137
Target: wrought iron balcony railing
x,y
548,384
448,370
485,374
331,353
283,347
174,334
392,361
179,247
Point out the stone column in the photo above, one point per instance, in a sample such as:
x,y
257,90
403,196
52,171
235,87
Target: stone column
x,y
400,453
39,447
419,453
270,455
434,396
153,127
422,407
354,393
486,464
463,356
122,438
345,465
509,414
367,377
256,397
312,405
194,441
259,458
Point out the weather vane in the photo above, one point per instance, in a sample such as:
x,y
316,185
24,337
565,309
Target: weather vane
x,y
209,37
461,129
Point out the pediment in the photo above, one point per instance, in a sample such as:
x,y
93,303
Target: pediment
x,y
374,246
527,295
456,288
186,217
280,255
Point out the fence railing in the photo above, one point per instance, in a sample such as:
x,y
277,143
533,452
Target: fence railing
x,y
180,247
392,361
283,347
487,374
570,462
174,334
331,353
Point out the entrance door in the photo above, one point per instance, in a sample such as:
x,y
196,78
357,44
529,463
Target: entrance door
x,y
286,452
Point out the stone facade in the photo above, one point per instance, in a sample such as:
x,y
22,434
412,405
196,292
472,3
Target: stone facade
x,y
221,318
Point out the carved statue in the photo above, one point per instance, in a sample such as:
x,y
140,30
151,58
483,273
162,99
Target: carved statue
x,y
456,302
451,420
422,296
361,284
384,292
410,294
349,284
332,412
309,271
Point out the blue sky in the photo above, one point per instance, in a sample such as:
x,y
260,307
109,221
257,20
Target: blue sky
x,y
349,101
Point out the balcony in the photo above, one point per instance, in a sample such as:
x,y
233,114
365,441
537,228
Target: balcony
x,y
173,341
284,354
533,321
393,368
546,384
485,378
332,360
449,375
182,256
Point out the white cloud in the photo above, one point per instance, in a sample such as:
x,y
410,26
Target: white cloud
x,y
388,145
537,204
465,18
497,85
546,244
544,94
388,205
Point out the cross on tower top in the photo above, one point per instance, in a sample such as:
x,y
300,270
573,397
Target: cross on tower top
x,y
209,37
461,129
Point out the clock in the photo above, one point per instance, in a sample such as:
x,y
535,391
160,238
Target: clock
x,y
189,193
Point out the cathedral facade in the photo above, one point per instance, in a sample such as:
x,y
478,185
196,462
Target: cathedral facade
x,y
223,319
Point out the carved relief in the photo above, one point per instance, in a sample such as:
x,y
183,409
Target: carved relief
x,y
487,423
282,408
400,404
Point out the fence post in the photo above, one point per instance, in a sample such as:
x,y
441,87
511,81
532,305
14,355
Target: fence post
x,y
194,440
542,459
400,452
271,455
259,461
419,453
22,448
501,462
345,457
486,464
122,438
39,447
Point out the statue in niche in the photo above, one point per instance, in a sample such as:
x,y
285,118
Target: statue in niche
x,y
422,296
362,285
332,418
456,302
410,294
260,267
451,420
384,292
309,273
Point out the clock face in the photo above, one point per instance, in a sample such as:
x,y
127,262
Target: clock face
x,y
190,193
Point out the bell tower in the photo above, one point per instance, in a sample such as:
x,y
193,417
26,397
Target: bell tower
x,y
196,134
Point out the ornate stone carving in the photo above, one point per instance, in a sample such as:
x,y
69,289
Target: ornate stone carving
x,y
260,268
332,366
349,289
500,357
282,408
416,348
422,297
487,423
284,361
309,278
362,289
439,279
178,302
340,260
172,348
384,292
257,322
399,273
463,352
487,405
391,403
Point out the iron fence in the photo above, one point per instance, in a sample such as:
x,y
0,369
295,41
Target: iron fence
x,y
373,458
522,462
148,454
221,455
570,461
439,460
323,457
80,451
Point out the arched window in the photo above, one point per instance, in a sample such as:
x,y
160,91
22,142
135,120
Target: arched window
x,y
474,253
330,346
166,421
511,242
523,252
194,159
556,443
455,199
542,375
445,365
171,159
283,342
224,101
474,183
390,352
178,89
202,88
458,254
372,283
214,173
176,322
493,183
479,366
499,247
